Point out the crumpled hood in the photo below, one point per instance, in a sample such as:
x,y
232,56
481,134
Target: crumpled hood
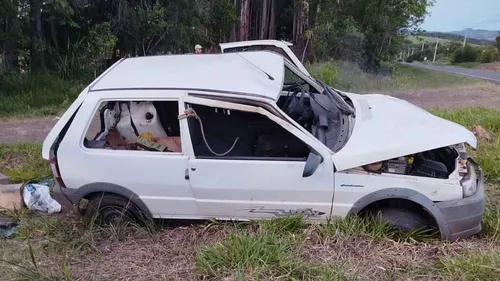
x,y
387,127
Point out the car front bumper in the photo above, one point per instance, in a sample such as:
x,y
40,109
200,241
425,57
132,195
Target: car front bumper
x,y
463,216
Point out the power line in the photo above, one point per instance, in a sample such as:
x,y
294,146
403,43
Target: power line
x,y
494,19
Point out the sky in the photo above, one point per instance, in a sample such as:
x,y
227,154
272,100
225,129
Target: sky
x,y
453,15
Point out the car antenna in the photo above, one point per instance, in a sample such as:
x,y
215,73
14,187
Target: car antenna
x,y
268,76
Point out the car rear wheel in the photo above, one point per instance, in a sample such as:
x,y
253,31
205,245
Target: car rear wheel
x,y
111,209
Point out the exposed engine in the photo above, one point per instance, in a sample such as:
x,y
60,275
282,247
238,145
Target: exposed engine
x,y
437,163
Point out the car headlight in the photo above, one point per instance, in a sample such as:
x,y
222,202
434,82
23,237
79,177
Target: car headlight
x,y
469,182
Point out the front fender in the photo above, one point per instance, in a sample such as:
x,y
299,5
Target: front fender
x,y
407,194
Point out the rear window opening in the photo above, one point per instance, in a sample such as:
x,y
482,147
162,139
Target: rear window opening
x,y
135,125
233,134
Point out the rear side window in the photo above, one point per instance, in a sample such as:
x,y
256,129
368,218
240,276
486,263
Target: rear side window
x,y
135,125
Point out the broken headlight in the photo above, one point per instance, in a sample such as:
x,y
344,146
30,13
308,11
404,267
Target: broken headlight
x,y
469,181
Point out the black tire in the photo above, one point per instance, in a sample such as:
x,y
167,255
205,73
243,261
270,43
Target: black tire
x,y
112,209
404,220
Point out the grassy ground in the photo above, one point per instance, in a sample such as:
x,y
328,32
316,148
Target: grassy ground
x,y
349,77
36,95
64,247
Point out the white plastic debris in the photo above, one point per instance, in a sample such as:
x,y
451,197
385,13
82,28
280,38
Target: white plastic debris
x,y
37,198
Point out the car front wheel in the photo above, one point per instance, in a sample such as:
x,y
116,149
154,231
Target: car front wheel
x,y
404,220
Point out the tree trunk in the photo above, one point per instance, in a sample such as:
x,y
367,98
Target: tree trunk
x,y
264,19
53,33
295,19
301,19
36,52
244,20
272,20
234,26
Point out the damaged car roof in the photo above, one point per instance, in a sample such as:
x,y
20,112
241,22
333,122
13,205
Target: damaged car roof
x,y
259,73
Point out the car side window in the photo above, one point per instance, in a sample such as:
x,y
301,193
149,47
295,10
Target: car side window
x,y
135,125
232,134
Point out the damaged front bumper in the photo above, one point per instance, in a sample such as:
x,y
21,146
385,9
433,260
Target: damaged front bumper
x,y
462,217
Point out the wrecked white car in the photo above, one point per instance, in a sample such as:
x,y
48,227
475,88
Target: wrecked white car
x,y
251,135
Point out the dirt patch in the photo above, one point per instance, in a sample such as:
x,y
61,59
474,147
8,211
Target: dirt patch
x,y
388,259
482,95
489,66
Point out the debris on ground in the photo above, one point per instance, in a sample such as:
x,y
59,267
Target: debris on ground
x,y
481,133
37,198
8,228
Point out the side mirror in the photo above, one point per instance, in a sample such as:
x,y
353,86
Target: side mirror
x,y
312,163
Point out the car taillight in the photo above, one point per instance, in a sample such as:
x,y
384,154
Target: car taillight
x,y
55,171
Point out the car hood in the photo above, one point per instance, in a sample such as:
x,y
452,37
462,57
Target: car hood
x,y
386,127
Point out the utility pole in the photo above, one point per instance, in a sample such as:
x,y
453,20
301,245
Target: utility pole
x,y
423,43
465,37
435,50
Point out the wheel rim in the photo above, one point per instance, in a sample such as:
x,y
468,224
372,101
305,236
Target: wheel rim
x,y
115,215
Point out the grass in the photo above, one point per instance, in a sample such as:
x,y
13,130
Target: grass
x,y
23,162
470,266
488,153
64,247
36,95
349,77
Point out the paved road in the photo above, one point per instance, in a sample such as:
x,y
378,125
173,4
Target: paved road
x,y
493,76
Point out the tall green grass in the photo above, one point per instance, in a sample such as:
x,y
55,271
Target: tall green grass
x,y
271,252
347,76
472,266
23,162
36,94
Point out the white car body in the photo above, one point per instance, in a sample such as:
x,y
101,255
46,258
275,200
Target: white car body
x,y
181,185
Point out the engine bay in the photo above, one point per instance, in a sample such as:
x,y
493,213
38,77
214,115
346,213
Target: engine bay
x,y
437,163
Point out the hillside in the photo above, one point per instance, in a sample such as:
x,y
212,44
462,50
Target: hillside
x,y
459,37
480,34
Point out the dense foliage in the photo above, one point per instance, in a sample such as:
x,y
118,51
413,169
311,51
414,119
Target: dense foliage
x,y
77,37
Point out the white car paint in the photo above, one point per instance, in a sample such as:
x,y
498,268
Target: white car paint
x,y
382,120
243,185
263,43
180,185
232,72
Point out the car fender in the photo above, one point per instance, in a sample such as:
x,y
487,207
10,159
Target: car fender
x,y
407,194
99,187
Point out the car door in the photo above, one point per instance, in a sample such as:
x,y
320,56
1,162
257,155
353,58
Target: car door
x,y
256,187
281,46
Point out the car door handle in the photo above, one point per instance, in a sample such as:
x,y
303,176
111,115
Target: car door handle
x,y
193,169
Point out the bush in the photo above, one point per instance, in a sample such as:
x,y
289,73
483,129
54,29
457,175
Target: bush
x,y
420,55
489,55
467,54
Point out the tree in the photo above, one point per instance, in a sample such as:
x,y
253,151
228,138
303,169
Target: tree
x,y
467,54
37,41
144,26
497,43
381,22
244,20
